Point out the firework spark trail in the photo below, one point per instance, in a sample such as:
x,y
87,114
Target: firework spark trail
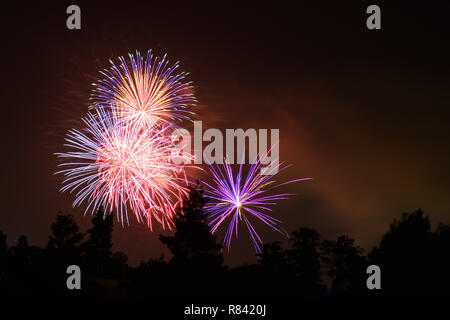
x,y
117,166
238,198
145,91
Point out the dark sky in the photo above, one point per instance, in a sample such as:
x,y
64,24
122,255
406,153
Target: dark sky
x,y
365,113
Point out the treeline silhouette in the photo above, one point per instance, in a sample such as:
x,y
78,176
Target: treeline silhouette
x,y
413,260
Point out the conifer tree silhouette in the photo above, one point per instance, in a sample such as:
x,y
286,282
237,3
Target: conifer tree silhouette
x,y
408,258
197,256
193,241
97,248
303,260
64,240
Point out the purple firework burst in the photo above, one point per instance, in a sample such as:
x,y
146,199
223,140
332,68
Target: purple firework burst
x,y
239,197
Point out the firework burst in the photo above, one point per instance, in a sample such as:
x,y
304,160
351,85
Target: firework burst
x,y
118,166
235,197
146,91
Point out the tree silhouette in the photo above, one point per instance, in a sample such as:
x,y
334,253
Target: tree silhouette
x,y
197,256
273,268
294,272
97,249
23,276
345,265
407,257
413,260
64,240
62,250
151,280
193,242
65,233
272,257
22,254
440,250
119,266
304,261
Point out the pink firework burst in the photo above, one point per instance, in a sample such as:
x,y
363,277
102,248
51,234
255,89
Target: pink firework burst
x,y
124,166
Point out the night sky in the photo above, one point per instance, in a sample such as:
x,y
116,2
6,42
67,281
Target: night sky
x,y
366,113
